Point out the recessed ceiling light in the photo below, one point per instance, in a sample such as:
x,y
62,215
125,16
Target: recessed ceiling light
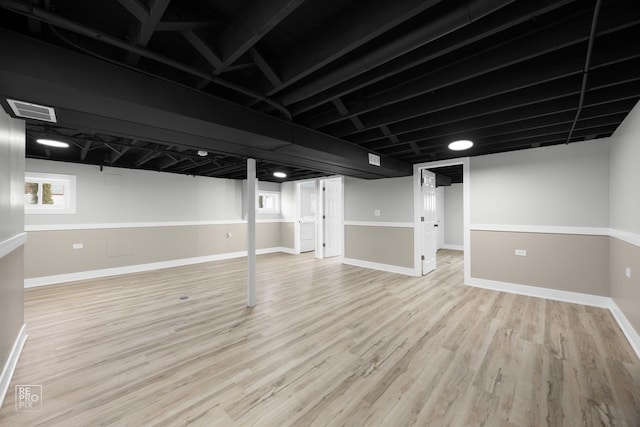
x,y
279,174
202,153
52,143
463,144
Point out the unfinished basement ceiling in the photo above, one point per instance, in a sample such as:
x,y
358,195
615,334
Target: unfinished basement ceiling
x,y
316,85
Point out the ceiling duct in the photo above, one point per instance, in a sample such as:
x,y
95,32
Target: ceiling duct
x,y
26,110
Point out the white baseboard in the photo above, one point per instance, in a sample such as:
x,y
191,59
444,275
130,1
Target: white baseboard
x,y
10,367
546,293
94,274
453,247
625,325
287,251
378,266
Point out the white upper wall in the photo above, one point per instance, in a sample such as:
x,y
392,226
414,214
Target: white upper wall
x,y
126,195
624,174
392,196
561,185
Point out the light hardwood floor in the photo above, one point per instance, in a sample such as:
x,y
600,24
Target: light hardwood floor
x,y
327,344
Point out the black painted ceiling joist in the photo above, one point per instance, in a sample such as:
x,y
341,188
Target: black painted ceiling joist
x,y
82,86
503,19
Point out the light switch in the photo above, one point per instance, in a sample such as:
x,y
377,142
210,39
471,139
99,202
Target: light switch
x,y
376,212
78,246
521,252
628,272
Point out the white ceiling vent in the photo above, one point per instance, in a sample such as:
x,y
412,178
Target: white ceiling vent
x,y
32,111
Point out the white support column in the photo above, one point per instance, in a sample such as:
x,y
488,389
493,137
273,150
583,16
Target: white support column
x,y
251,232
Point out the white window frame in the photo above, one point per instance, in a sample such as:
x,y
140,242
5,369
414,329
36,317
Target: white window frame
x,y
68,180
275,194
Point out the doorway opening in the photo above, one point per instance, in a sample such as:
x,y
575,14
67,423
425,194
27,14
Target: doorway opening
x,y
441,222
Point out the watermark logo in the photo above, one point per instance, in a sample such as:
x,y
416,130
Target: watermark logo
x,y
29,398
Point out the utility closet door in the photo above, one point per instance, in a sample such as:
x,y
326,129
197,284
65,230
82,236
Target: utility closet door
x,y
428,220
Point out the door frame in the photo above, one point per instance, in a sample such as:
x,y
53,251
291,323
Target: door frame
x,y
466,197
320,212
296,222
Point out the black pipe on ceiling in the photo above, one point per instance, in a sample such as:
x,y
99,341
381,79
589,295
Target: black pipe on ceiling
x,y
45,16
587,65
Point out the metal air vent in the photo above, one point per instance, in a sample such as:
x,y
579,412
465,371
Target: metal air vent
x,y
32,111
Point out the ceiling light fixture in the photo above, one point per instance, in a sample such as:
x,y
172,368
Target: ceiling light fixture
x,y
279,174
52,143
463,144
202,153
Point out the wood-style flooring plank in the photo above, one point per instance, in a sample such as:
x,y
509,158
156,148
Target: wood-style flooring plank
x,y
327,345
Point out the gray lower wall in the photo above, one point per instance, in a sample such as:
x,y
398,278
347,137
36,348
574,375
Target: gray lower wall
x,y
574,263
49,253
287,235
625,291
383,245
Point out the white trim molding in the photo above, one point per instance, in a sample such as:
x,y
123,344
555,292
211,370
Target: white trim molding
x,y
543,229
625,325
538,292
10,367
137,268
453,247
625,236
379,266
379,224
12,243
99,226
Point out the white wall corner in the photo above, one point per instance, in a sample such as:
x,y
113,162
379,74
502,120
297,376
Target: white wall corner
x,y
10,367
625,325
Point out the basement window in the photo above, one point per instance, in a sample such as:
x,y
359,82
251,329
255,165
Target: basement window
x,y
46,193
268,201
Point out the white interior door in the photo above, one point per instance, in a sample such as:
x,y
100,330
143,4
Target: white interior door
x,y
306,234
332,216
428,220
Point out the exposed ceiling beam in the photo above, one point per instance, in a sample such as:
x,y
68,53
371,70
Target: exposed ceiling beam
x,y
502,20
203,48
559,111
254,19
554,96
85,150
339,36
175,25
117,101
520,50
265,67
137,8
59,21
515,78
147,27
342,109
435,28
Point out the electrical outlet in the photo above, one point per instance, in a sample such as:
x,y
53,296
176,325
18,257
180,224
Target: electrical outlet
x,y
521,252
78,246
628,272
376,212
